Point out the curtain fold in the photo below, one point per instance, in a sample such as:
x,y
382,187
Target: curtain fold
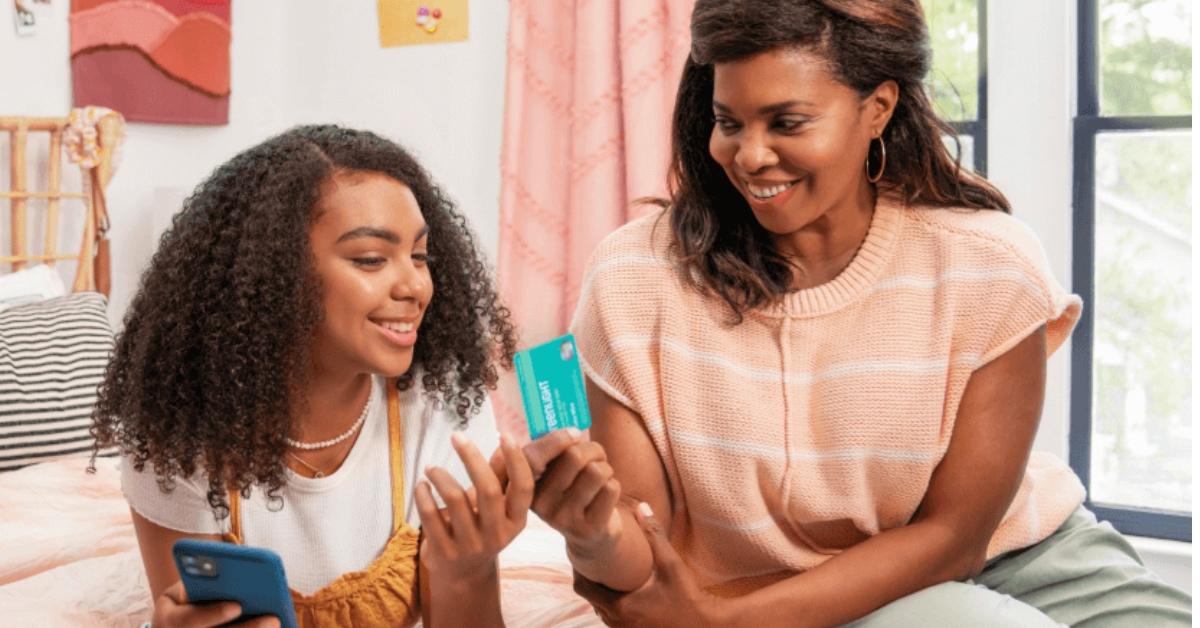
x,y
588,100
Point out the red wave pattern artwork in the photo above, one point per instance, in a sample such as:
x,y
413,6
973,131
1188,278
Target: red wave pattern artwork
x,y
161,61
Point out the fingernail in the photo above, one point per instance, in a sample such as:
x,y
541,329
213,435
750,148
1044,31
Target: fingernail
x,y
645,509
428,468
574,433
233,611
458,438
505,441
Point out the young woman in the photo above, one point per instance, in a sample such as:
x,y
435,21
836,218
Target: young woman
x,y
823,365
315,329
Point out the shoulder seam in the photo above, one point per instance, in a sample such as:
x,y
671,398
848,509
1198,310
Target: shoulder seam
x,y
1027,265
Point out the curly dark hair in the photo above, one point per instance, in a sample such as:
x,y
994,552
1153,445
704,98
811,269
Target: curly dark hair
x,y
864,43
216,343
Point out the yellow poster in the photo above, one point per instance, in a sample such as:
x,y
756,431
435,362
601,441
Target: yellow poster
x,y
411,22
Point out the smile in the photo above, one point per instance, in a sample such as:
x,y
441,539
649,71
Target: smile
x,y
398,327
400,333
766,193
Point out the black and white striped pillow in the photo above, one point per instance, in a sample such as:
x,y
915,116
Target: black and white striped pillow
x,y
52,359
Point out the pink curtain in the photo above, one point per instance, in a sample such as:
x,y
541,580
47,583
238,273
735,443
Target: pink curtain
x,y
590,88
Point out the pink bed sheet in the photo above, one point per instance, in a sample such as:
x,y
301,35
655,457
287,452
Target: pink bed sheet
x,y
68,557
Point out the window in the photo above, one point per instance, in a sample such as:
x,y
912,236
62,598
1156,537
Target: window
x,y
958,82
1131,397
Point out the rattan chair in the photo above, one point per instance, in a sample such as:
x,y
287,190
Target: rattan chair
x,y
92,255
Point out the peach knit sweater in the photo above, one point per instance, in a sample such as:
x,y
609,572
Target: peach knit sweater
x,y
817,422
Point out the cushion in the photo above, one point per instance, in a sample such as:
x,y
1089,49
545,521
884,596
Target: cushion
x,y
52,359
31,284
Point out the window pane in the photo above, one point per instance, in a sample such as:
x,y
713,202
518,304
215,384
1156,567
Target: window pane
x,y
967,144
1145,57
1142,396
954,33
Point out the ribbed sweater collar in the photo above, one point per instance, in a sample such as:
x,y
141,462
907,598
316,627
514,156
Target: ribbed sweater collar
x,y
862,272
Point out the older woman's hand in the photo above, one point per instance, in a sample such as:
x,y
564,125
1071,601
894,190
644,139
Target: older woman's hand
x,y
577,495
671,597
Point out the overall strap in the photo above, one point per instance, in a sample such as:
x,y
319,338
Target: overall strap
x,y
396,451
235,516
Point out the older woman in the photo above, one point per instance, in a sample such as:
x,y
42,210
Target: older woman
x,y
822,366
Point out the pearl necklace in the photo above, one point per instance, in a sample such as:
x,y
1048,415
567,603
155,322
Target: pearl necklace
x,y
295,444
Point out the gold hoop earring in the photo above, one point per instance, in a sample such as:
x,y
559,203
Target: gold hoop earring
x,y
882,161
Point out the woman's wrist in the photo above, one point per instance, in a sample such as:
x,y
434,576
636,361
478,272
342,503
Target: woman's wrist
x,y
465,579
619,560
471,597
601,546
724,612
588,550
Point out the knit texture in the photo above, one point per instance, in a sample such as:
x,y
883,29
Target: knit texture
x,y
818,421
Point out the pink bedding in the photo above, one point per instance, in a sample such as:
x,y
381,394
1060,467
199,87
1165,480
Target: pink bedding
x,y
68,557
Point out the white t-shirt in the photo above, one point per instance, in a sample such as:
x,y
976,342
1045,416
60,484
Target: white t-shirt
x,y
335,524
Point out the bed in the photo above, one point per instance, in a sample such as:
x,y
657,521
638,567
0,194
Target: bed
x,y
68,554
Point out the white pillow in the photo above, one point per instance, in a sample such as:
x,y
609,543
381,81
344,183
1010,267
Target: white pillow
x,y
36,283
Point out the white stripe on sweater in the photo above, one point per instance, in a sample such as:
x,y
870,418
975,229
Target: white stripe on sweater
x,y
914,366
772,452
724,524
911,282
916,282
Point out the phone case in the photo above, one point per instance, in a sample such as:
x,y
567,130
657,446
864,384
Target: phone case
x,y
251,576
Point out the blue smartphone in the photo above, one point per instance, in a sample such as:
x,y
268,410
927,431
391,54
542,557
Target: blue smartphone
x,y
213,571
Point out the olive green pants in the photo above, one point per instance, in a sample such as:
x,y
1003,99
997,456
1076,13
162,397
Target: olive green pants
x,y
1085,574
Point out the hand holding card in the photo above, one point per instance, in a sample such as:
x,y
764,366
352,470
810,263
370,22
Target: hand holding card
x,y
576,494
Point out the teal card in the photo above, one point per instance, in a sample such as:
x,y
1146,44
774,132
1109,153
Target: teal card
x,y
552,387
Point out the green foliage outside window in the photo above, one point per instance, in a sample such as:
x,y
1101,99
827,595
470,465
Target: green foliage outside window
x,y
954,35
1142,398
1145,57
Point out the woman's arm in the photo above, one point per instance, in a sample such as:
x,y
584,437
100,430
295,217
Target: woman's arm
x,y
620,559
170,601
155,543
947,539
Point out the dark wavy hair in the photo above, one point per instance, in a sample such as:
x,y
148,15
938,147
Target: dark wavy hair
x,y
720,246
216,343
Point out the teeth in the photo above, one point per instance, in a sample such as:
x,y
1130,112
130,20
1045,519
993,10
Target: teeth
x,y
766,193
400,328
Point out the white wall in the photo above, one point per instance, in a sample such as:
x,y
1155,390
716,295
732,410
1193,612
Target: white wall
x,y
292,63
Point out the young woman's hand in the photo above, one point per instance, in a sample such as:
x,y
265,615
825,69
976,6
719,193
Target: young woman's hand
x,y
172,610
465,537
576,493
